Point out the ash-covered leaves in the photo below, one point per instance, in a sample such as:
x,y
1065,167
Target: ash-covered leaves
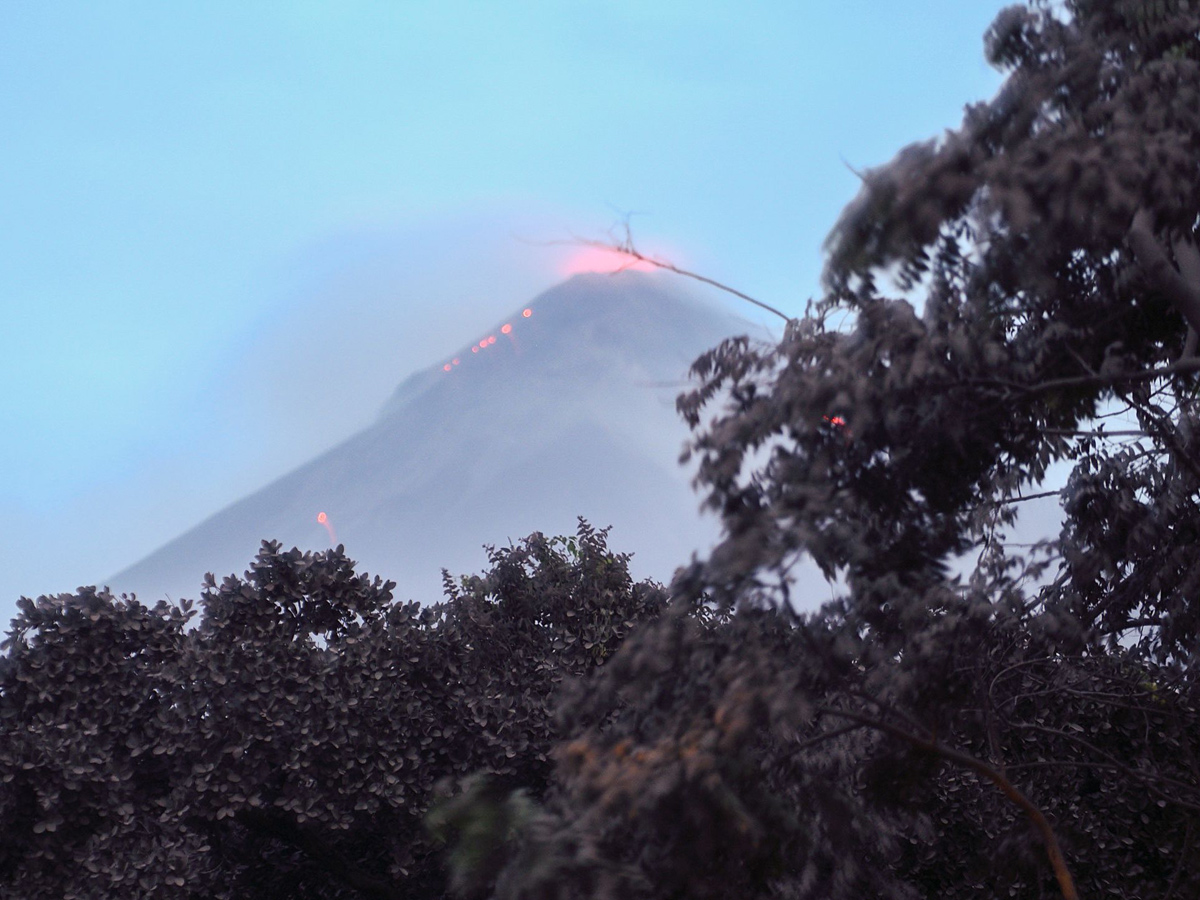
x,y
291,742
968,717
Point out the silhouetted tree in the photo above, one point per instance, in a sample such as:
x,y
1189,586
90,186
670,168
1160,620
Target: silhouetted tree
x,y
969,718
291,743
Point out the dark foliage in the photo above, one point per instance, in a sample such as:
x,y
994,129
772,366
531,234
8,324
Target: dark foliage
x,y
970,718
289,745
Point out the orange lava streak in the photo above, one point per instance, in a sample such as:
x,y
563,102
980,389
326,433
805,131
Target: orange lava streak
x,y
324,520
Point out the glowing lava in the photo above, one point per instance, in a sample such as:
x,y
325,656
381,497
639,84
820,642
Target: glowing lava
x,y
506,329
604,259
324,520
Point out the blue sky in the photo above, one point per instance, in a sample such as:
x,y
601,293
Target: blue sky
x,y
230,228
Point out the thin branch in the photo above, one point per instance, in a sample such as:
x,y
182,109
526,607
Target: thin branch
x,y
626,247
993,736
1077,432
1187,845
1188,259
857,174
1053,851
1131,624
1082,764
1022,664
884,709
829,736
1130,772
1116,412
1009,500
1183,367
1167,433
671,267
1153,258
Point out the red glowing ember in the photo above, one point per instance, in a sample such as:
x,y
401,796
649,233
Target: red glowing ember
x,y
604,259
527,313
505,329
324,520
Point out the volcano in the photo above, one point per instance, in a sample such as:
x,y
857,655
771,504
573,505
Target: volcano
x,y
564,409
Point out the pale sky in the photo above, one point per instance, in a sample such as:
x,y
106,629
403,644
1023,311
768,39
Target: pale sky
x,y
231,228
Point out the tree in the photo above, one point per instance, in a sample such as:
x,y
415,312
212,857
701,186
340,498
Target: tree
x,y
289,744
968,718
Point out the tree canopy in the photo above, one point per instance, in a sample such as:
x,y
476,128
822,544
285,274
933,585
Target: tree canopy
x,y
968,717
289,744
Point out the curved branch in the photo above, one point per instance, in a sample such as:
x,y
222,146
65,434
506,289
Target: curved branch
x,y
626,248
1152,256
1054,852
1131,772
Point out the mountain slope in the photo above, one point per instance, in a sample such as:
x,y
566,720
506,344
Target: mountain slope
x,y
569,412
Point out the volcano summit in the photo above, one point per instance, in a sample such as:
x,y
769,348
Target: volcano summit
x,y
565,409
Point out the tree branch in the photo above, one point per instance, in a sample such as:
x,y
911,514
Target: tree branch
x,y
829,736
1058,862
626,247
1187,257
1129,771
1183,367
1005,502
1187,845
1153,258
1099,432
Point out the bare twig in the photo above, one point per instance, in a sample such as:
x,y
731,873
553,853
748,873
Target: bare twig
x,y
990,503
626,247
1080,432
671,267
1183,367
828,736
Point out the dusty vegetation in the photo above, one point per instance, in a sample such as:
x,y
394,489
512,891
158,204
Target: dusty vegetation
x,y
553,730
